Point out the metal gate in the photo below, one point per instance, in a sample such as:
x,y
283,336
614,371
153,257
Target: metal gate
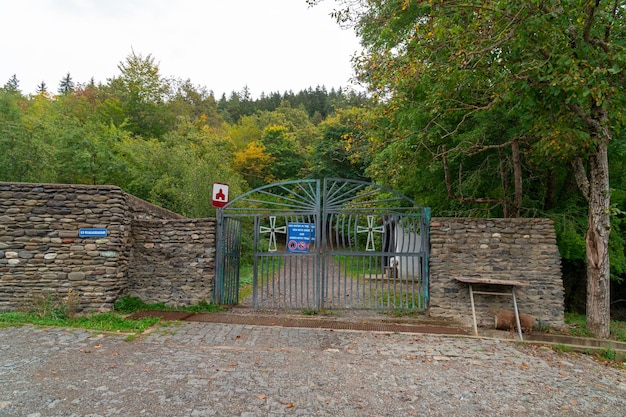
x,y
331,244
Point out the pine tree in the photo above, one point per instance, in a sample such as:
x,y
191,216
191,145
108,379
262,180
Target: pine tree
x,y
66,85
42,88
13,85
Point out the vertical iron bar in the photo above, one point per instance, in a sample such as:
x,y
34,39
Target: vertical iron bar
x,y
255,268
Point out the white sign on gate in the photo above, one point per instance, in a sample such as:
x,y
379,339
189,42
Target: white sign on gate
x,y
220,194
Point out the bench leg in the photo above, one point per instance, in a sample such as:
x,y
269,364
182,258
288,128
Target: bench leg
x,y
519,327
473,309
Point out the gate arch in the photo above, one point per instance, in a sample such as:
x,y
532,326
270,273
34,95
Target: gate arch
x,y
325,244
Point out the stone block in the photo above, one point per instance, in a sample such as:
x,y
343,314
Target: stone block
x,y
76,276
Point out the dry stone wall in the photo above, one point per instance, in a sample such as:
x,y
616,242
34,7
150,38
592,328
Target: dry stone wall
x,y
160,256
173,261
42,252
508,249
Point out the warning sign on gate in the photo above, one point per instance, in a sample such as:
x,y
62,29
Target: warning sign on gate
x,y
300,236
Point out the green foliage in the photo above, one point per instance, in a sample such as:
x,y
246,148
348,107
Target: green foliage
x,y
288,159
460,82
130,305
607,354
48,306
102,321
113,322
559,348
163,140
577,326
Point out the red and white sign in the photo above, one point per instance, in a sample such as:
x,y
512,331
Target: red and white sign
x,y
220,194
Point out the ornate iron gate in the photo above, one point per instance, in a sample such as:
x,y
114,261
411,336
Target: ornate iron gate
x,y
336,244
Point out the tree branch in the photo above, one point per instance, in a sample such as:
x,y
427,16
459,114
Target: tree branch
x,y
581,177
587,29
451,194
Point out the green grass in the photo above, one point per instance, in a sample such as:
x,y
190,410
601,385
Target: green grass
x,y
48,311
103,321
246,278
359,264
130,305
577,326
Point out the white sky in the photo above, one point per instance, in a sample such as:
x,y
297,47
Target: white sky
x,y
224,45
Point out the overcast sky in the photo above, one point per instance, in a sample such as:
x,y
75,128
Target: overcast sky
x,y
224,45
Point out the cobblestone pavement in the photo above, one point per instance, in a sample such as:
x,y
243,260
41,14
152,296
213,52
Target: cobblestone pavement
x,y
216,369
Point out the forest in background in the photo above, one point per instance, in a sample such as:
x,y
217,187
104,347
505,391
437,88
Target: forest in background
x,y
167,141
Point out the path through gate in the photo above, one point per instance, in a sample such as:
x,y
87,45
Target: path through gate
x,y
325,244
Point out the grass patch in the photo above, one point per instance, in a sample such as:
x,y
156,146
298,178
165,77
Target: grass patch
x,y
559,348
103,321
404,313
48,310
130,305
246,279
577,326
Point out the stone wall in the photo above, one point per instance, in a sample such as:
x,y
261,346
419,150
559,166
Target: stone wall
x,y
510,249
142,210
160,256
41,251
173,261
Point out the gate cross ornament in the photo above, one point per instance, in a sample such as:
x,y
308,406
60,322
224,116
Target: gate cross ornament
x,y
272,230
370,230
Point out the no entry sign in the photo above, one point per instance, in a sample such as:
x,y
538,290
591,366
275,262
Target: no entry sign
x,y
300,236
220,194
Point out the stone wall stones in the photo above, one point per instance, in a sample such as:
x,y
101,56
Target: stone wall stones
x,y
40,247
41,251
173,261
142,210
509,249
160,256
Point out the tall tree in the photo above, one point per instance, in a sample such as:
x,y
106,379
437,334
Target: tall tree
x,y
140,93
557,67
42,88
13,85
66,85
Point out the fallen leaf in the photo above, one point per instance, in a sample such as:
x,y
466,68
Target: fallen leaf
x,y
261,397
97,346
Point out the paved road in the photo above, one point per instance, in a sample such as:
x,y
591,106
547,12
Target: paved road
x,y
215,369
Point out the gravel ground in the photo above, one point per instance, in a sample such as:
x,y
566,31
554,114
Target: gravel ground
x,y
215,369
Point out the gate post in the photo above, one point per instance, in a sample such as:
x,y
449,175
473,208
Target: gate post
x,y
218,279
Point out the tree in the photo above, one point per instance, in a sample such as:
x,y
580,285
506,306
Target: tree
x,y
195,103
344,150
139,93
288,160
13,85
66,85
556,68
252,163
42,88
24,154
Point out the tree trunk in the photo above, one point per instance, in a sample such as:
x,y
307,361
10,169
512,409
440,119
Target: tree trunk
x,y
517,178
597,244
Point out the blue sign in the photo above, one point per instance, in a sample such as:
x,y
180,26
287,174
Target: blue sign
x,y
93,233
300,236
